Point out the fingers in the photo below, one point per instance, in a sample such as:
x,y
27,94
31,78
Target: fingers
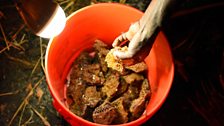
x,y
119,39
133,47
127,35
123,54
133,36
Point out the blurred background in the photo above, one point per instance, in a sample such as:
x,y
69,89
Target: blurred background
x,y
195,31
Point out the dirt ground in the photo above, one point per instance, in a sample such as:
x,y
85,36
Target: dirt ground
x,y
195,31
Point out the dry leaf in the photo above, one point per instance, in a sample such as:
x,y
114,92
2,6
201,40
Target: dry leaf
x,y
39,93
29,87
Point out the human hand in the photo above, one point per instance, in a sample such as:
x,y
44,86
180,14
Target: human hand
x,y
133,36
141,31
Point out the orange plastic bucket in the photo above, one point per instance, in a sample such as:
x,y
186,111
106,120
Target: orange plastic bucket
x,y
105,22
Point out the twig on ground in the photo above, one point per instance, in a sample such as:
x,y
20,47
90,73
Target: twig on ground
x,y
35,66
9,93
27,63
25,100
18,31
4,36
46,123
21,117
94,1
70,3
42,56
61,2
2,50
10,45
21,41
122,1
29,120
13,42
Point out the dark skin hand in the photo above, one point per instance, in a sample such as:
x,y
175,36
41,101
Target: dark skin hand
x,y
142,30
